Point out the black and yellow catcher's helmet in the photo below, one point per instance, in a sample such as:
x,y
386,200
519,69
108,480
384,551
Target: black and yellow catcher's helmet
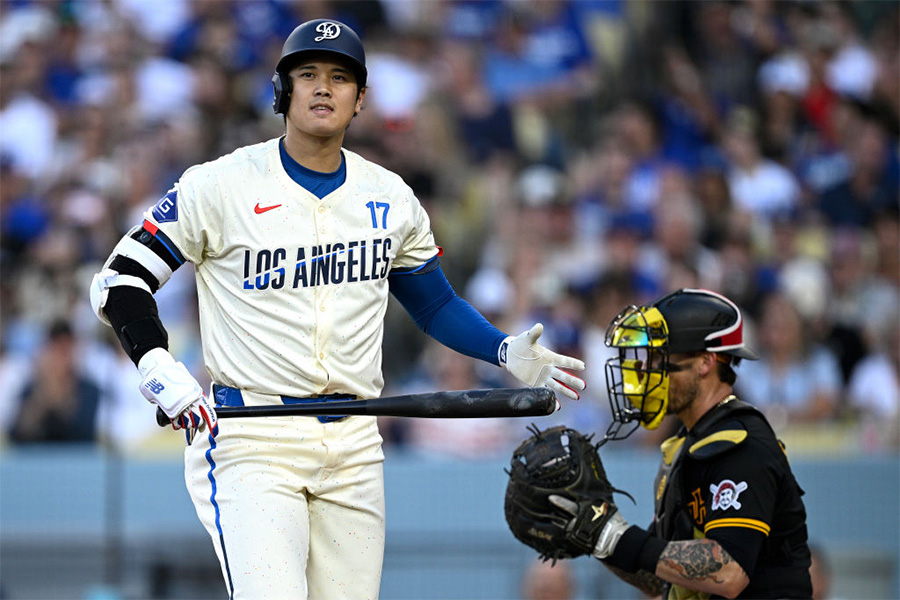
x,y
687,320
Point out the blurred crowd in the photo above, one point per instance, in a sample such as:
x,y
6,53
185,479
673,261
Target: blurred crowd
x,y
575,156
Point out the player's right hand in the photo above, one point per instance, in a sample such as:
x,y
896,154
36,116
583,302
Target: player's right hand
x,y
169,385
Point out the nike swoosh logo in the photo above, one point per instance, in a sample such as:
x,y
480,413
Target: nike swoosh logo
x,y
261,209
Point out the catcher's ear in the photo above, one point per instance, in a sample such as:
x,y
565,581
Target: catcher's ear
x,y
707,363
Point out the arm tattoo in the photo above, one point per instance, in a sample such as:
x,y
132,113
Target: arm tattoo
x,y
647,582
696,560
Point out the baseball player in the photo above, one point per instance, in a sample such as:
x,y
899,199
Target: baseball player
x,y
729,518
296,243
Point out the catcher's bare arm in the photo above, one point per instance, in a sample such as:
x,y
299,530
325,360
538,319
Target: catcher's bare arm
x,y
701,565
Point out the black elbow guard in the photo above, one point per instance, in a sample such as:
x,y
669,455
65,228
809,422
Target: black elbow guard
x,y
134,317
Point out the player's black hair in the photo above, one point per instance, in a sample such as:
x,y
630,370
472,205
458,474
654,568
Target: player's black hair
x,y
726,373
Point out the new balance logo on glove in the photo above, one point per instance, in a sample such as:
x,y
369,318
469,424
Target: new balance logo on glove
x,y
154,386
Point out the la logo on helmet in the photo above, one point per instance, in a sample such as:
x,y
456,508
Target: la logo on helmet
x,y
328,30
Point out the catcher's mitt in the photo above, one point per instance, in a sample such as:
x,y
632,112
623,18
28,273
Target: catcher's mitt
x,y
563,463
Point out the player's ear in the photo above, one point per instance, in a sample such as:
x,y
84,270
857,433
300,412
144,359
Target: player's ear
x,y
360,96
707,362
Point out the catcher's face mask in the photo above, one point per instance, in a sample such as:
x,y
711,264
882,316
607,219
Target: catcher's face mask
x,y
637,381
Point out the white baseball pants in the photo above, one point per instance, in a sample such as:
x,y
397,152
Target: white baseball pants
x,y
294,507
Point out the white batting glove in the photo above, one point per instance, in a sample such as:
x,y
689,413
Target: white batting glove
x,y
169,385
537,366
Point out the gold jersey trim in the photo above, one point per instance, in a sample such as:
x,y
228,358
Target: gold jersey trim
x,y
738,522
734,436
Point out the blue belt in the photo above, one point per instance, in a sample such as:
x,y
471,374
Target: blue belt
x,y
229,396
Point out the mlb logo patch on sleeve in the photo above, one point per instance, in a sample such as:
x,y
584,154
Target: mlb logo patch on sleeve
x,y
166,210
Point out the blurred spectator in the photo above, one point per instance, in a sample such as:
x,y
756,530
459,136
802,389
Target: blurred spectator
x,y
59,403
483,124
548,580
538,48
710,186
873,178
859,303
400,76
25,215
678,225
27,120
726,64
784,78
489,290
538,63
796,380
758,185
690,121
821,573
885,43
598,182
638,132
874,389
15,373
796,264
156,23
852,69
745,279
887,245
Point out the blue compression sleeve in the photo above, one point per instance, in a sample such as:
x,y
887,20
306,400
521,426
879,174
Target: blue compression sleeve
x,y
431,302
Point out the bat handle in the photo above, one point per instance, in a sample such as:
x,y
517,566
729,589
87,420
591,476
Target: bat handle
x,y
161,419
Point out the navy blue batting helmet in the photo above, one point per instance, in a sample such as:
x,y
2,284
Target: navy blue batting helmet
x,y
319,35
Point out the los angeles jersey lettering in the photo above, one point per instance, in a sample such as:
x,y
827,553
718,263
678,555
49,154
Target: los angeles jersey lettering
x,y
358,260
272,282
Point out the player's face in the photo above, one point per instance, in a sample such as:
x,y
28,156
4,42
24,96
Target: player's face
x,y
684,382
325,96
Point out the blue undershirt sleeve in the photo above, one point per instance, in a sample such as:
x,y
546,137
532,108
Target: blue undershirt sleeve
x,y
436,309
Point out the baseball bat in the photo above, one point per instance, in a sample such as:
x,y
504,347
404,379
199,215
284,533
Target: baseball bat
x,y
461,404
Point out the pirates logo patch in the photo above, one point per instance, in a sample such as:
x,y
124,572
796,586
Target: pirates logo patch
x,y
725,495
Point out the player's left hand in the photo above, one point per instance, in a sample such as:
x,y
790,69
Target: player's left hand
x,y
603,531
537,366
169,385
198,415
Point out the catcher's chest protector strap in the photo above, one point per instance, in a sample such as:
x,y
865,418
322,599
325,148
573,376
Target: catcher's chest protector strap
x,y
711,437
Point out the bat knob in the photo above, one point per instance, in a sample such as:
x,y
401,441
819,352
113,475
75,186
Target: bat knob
x,y
546,400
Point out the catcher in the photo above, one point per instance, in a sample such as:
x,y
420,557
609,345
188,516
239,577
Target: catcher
x,y
729,520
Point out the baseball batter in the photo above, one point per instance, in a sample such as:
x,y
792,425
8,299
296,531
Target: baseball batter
x,y
296,243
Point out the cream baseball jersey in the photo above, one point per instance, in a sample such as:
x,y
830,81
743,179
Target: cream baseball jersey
x,y
292,289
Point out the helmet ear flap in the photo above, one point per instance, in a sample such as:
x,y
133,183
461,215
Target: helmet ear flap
x,y
282,88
